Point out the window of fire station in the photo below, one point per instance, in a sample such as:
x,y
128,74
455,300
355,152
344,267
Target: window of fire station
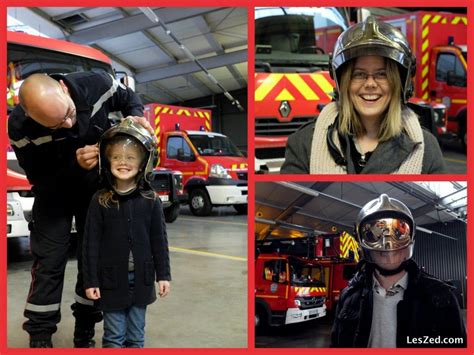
x,y
178,148
275,271
449,63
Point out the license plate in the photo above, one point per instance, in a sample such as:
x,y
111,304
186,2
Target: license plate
x,y
164,198
313,311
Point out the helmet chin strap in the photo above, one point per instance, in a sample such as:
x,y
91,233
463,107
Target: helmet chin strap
x,y
385,272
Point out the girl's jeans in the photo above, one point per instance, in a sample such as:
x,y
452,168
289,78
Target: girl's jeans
x,y
125,328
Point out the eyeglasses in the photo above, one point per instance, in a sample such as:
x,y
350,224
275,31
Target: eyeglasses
x,y
359,76
70,114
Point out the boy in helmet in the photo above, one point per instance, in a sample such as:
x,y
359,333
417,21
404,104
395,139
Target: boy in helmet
x,y
390,302
125,244
369,129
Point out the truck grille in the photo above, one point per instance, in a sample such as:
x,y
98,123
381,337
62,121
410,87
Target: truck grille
x,y
311,301
161,182
242,176
269,153
273,127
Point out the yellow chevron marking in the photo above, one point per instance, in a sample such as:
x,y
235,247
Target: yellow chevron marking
x,y
464,20
425,96
200,114
444,21
302,87
166,109
424,71
206,114
284,95
425,58
157,110
425,19
436,19
186,112
456,20
323,83
424,85
208,125
425,45
425,32
267,85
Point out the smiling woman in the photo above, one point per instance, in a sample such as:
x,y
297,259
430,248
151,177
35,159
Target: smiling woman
x,y
369,129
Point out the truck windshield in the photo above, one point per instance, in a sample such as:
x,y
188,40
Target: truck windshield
x,y
24,60
213,145
298,37
306,275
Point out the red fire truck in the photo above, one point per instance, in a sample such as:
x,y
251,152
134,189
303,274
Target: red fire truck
x,y
214,170
299,279
439,42
26,55
292,81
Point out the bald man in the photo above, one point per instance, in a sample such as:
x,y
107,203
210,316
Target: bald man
x,y
54,132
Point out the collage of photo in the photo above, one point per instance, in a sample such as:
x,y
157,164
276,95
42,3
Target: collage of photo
x,y
233,179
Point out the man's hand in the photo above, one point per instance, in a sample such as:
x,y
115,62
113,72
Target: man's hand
x,y
93,293
88,156
164,288
143,122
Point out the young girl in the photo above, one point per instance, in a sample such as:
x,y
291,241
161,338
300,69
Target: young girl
x,y
125,244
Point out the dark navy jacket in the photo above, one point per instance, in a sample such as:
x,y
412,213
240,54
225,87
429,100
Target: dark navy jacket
x,y
137,224
49,157
428,309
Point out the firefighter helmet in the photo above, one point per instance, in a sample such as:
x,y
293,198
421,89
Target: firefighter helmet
x,y
128,133
386,232
373,37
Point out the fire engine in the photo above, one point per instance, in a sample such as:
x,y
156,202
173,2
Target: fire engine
x,y
439,42
300,279
26,55
292,81
214,170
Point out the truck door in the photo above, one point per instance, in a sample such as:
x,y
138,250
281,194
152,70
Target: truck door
x,y
449,79
275,279
180,156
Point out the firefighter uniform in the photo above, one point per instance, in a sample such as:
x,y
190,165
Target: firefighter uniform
x,y
62,191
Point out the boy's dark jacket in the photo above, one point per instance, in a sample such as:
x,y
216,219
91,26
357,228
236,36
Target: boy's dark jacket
x,y
429,309
138,224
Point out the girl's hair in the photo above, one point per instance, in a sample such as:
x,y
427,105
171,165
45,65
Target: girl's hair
x,y
107,196
349,119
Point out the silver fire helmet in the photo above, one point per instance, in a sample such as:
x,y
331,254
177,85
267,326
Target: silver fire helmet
x,y
135,131
373,37
385,230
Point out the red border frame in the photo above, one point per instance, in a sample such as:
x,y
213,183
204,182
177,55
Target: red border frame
x,y
252,178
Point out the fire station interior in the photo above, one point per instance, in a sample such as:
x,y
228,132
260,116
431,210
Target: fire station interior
x,y
280,109
309,225
189,57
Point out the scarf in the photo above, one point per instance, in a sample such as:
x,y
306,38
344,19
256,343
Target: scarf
x,y
321,161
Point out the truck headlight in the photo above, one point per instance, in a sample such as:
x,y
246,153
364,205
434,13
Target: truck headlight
x,y
219,171
10,211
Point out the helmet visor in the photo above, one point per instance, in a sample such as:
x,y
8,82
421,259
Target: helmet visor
x,y
385,234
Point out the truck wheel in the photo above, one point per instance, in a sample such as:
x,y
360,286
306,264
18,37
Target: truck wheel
x,y
241,208
171,213
261,322
200,203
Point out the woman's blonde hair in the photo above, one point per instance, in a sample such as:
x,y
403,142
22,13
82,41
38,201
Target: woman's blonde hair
x,y
349,119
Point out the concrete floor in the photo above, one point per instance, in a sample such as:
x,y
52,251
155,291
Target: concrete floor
x,y
455,158
207,306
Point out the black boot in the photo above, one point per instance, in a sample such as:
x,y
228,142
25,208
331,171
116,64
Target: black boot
x,y
41,343
84,337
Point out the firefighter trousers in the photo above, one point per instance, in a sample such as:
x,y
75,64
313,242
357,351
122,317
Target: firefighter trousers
x,y
50,233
